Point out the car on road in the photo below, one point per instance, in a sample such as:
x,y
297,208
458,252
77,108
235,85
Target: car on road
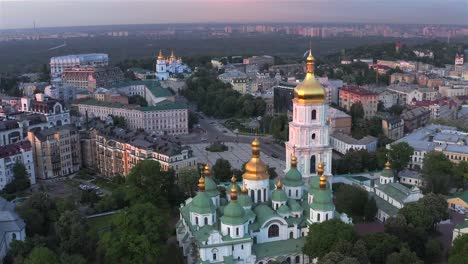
x,y
203,139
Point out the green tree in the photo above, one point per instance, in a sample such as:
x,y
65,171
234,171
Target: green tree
x,y
380,245
20,180
437,172
42,255
370,209
461,173
38,211
433,251
357,112
71,233
222,170
188,179
400,155
337,258
350,199
89,197
137,100
459,252
72,259
426,212
138,235
404,256
119,121
408,233
19,250
192,119
323,236
147,182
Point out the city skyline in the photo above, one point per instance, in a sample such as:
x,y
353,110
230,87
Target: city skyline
x,y
23,14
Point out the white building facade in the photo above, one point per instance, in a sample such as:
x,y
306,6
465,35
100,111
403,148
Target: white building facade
x,y
19,152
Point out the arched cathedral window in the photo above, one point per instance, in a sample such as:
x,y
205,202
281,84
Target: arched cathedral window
x,y
314,114
273,231
312,164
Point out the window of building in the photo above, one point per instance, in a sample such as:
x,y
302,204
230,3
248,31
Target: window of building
x,y
229,231
314,114
312,164
259,195
273,231
237,231
214,256
291,235
318,217
196,220
313,136
298,259
206,220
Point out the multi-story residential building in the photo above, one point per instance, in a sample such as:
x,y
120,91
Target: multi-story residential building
x,y
52,109
10,132
12,226
440,109
58,64
19,152
454,90
283,95
239,84
343,143
110,96
411,177
228,76
29,88
339,121
402,78
350,95
115,151
388,98
91,78
393,127
440,138
56,151
332,87
405,92
415,117
164,117
62,92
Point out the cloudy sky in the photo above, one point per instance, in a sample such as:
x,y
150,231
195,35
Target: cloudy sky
x,y
49,13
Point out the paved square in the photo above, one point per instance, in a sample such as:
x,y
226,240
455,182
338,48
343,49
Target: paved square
x,y
237,154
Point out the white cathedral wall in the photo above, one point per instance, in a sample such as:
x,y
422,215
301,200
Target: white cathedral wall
x,y
262,235
258,185
201,218
234,231
241,251
293,192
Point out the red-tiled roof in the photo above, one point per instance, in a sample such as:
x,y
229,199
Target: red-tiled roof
x,y
15,148
356,90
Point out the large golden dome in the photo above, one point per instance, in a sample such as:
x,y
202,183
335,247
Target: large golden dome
x,y
255,169
310,91
160,56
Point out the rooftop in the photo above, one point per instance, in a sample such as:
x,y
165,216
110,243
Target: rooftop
x,y
153,85
14,149
395,190
350,140
336,113
462,195
357,90
164,105
278,248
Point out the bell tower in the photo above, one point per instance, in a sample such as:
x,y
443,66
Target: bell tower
x,y
308,131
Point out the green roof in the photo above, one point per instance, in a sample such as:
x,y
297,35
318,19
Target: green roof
x,y
283,210
264,213
279,248
234,214
323,200
279,196
202,204
384,205
293,178
153,85
164,105
244,200
210,187
395,190
314,184
462,195
295,206
387,173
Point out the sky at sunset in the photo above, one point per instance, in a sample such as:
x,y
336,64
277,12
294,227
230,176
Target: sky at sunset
x,y
21,14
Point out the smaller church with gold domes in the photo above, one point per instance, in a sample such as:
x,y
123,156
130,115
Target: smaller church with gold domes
x,y
260,220
165,67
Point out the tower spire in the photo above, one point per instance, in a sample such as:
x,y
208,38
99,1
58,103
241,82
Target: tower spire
x,y
323,179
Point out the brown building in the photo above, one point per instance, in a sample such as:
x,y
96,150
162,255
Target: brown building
x,y
393,127
92,78
402,78
415,118
56,151
350,95
339,121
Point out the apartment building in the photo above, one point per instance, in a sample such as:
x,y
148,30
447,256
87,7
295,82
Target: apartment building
x,y
19,152
350,95
91,78
56,151
115,151
415,117
393,127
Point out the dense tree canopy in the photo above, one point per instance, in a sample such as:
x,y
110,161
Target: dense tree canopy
x,y
20,180
222,170
353,201
187,180
438,172
138,235
42,255
459,252
400,155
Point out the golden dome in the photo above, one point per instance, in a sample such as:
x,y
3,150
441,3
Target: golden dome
x,y
323,179
160,56
279,184
293,161
388,165
201,184
233,193
172,54
310,91
244,189
255,169
206,170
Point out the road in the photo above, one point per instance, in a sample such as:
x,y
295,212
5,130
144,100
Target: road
x,y
212,130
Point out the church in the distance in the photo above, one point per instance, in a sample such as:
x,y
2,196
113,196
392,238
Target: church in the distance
x,y
165,67
261,220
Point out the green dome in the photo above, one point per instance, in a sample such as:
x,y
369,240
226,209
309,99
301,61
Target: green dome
x,y
202,204
279,195
233,214
284,210
314,184
295,206
244,200
210,187
323,200
387,173
293,178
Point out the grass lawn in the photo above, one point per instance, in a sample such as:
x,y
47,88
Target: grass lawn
x,y
97,225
